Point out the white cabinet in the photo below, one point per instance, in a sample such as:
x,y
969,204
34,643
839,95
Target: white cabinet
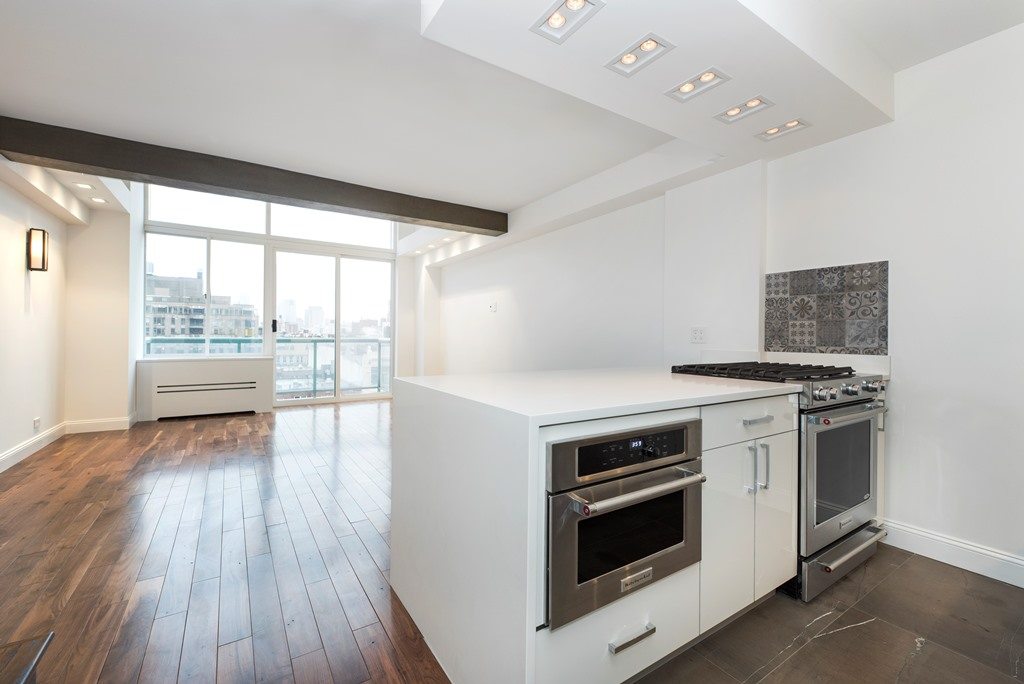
x,y
775,512
727,533
748,524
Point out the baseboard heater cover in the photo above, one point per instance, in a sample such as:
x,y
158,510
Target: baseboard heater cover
x,y
175,388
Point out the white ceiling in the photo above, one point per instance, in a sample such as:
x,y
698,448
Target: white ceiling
x,y
343,89
478,110
762,59
99,189
908,32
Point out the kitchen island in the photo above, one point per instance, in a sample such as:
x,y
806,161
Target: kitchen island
x,y
470,483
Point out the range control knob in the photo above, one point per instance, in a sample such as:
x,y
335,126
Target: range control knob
x,y
852,390
833,392
873,386
822,394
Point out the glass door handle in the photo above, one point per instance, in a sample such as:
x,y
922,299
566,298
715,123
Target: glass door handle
x,y
273,325
767,466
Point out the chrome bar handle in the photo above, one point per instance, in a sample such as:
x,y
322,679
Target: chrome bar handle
x,y
839,562
767,466
751,488
620,646
592,508
747,422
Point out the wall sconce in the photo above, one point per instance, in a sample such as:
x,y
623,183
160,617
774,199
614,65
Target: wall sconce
x,y
38,249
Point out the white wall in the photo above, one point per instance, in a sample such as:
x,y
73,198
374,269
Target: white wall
x,y
136,276
98,345
939,194
585,296
714,266
31,330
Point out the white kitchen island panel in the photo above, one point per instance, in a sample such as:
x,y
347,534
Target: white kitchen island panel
x,y
468,530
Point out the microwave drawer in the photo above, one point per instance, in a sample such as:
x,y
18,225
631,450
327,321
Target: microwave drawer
x,y
643,627
740,421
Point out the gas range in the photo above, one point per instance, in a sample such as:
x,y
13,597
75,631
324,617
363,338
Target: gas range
x,y
823,386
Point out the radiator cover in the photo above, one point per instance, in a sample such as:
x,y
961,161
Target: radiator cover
x,y
193,387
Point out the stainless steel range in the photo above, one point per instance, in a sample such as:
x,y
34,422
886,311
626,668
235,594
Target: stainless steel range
x,y
839,421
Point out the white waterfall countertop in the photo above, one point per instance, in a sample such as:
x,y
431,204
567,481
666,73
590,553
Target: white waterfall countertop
x,y
587,394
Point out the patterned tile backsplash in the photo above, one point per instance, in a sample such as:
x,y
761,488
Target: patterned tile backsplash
x,y
837,309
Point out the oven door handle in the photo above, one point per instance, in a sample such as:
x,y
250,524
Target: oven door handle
x,y
866,411
589,509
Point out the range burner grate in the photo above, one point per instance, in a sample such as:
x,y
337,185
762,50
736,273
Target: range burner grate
x,y
772,372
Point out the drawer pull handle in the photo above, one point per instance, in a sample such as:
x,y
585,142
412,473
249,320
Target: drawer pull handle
x,y
747,422
620,646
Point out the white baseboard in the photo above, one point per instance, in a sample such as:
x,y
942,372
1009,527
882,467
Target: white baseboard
x,y
22,451
983,560
97,425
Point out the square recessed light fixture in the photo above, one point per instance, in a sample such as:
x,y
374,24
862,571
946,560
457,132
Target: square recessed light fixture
x,y
565,18
697,84
639,55
782,129
744,109
84,186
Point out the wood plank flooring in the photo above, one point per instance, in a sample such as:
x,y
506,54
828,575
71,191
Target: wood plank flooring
x,y
231,549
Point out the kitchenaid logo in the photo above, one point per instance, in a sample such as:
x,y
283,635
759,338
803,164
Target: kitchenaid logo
x,y
636,580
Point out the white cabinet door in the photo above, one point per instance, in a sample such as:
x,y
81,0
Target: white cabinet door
x,y
775,526
727,533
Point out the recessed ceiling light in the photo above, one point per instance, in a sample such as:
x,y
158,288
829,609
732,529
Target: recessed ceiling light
x,y
698,83
419,251
99,200
564,18
639,54
740,111
430,246
783,129
447,239
84,186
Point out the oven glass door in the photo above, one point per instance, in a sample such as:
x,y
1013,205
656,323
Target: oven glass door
x,y
839,474
609,539
842,477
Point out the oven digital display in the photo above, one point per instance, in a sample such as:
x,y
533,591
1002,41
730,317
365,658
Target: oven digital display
x,y
621,453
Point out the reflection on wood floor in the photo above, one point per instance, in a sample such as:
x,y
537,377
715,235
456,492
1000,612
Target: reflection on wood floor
x,y
241,548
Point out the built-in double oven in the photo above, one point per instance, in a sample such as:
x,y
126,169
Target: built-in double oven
x,y
624,510
839,492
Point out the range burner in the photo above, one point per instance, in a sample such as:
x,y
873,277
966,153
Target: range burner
x,y
771,372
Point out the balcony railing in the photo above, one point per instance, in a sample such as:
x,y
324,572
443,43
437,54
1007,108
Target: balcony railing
x,y
305,366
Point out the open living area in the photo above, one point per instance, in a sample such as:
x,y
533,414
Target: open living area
x,y
524,341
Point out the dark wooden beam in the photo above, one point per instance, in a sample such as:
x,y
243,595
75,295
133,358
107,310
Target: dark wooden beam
x,y
101,155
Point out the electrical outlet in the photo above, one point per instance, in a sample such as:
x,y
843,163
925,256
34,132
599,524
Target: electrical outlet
x,y
493,307
36,423
697,335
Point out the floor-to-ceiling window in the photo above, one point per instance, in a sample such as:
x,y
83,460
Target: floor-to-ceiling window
x,y
314,289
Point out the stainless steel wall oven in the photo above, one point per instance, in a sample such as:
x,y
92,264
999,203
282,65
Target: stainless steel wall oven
x,y
624,510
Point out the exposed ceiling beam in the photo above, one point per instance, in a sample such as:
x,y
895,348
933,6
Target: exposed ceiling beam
x,y
73,150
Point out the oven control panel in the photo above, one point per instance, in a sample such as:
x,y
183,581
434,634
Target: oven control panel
x,y
629,451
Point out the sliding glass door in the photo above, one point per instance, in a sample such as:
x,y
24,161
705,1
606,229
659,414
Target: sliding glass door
x,y
305,325
332,325
365,323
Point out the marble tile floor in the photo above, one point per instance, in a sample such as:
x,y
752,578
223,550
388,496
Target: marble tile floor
x,y
899,617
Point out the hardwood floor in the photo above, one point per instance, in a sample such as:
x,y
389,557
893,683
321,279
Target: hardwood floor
x,y
236,549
